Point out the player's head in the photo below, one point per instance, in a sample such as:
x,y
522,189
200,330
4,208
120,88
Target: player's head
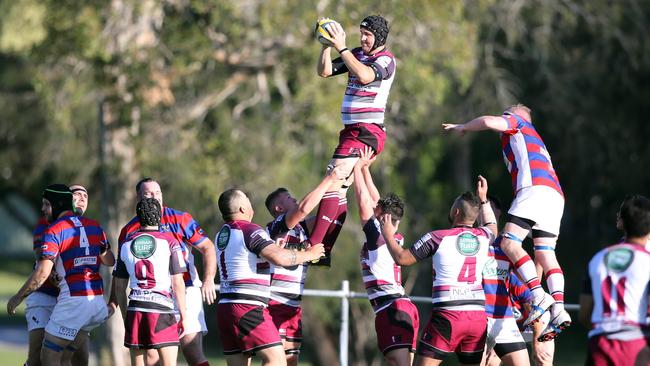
x,y
280,201
148,211
149,188
57,199
80,198
520,110
635,216
465,209
235,205
374,32
390,204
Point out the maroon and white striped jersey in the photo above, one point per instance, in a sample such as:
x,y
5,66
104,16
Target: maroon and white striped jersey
x,y
288,283
149,259
619,278
245,277
382,277
459,256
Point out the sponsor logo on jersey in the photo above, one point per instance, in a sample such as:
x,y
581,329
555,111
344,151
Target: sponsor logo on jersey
x,y
490,270
223,238
85,261
467,244
164,228
143,246
618,260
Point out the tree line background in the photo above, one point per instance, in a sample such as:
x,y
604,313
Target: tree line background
x,y
205,95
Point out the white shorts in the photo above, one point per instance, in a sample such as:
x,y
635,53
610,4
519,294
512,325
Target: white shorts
x,y
195,321
540,204
502,331
75,313
39,307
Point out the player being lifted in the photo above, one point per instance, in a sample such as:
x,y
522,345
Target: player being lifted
x,y
396,317
151,263
615,298
291,223
245,252
459,255
371,70
74,247
537,207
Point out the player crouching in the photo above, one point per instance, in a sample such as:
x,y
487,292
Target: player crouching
x,y
152,262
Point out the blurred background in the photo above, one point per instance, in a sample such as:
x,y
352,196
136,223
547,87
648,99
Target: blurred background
x,y
204,95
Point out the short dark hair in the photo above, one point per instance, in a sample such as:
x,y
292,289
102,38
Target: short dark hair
x,y
392,204
469,205
269,202
635,216
148,211
143,181
226,203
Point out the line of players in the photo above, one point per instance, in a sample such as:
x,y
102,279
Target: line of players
x,y
247,254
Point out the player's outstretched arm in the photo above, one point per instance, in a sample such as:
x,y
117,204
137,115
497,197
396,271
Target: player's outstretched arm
x,y
311,200
364,200
401,256
495,123
488,218
119,288
279,256
209,257
324,65
178,285
35,280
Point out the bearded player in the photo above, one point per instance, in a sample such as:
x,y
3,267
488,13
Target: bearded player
x,y
371,70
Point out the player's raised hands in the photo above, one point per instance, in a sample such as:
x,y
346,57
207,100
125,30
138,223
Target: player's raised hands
x,y
336,173
388,229
316,251
459,128
367,157
481,188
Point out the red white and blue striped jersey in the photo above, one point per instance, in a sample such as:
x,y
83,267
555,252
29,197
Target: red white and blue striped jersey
x,y
245,276
619,280
525,155
74,243
459,256
288,283
186,230
367,103
382,277
149,259
48,287
499,282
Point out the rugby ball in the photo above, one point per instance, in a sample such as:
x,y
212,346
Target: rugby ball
x,y
321,33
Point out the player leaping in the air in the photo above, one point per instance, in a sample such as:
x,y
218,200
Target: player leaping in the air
x,y
538,206
371,70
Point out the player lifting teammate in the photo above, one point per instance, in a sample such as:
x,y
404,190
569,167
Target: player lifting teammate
x,y
537,208
396,317
371,70
459,254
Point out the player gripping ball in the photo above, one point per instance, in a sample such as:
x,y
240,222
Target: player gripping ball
x,y
321,31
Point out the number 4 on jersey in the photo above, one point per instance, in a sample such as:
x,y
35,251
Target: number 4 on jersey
x,y
468,271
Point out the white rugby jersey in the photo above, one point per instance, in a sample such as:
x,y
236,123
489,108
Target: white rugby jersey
x,y
149,259
619,277
382,277
245,277
288,283
459,256
367,103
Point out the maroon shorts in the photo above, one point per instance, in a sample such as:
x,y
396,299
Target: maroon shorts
x,y
459,332
246,328
397,326
288,320
150,330
353,138
605,352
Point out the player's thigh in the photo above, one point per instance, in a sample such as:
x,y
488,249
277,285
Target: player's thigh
x,y
272,356
238,359
138,357
168,355
80,356
345,164
398,357
517,358
192,347
421,360
35,344
52,349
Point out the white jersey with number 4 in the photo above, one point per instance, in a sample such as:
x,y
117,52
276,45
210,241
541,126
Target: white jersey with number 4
x,y
459,256
620,277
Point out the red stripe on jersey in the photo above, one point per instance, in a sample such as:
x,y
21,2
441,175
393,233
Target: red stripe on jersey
x,y
606,290
620,296
376,283
252,281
